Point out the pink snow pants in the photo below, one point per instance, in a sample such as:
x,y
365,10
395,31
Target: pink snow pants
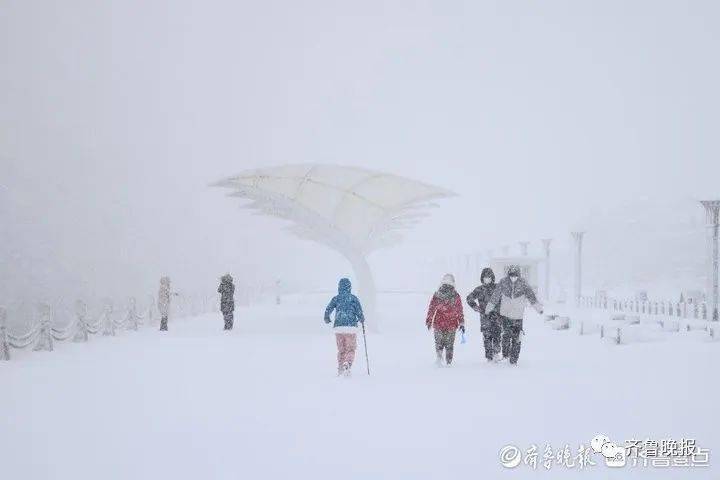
x,y
346,343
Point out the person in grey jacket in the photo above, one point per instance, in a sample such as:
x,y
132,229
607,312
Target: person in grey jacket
x,y
227,300
163,302
512,294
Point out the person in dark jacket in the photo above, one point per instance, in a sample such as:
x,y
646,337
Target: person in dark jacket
x,y
489,323
512,294
348,314
227,300
445,316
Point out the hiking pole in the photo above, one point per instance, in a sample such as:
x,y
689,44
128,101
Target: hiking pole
x,y
367,359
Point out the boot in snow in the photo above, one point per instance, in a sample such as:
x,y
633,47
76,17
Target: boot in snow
x,y
346,370
439,360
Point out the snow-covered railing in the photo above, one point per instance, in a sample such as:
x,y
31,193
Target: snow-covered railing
x,y
678,309
557,322
191,305
621,328
43,333
53,324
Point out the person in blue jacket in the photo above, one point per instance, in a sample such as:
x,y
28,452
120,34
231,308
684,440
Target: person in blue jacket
x,y
348,313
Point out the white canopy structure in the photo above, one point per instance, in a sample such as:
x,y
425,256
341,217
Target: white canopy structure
x,y
351,210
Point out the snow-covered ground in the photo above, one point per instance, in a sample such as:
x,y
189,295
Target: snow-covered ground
x,y
264,401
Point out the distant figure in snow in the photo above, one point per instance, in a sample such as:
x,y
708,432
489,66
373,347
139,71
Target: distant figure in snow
x,y
227,300
489,323
163,302
512,294
348,313
445,316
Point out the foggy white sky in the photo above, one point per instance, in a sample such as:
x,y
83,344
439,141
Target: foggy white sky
x,y
114,117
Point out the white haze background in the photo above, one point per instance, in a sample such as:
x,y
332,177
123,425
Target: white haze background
x,y
543,117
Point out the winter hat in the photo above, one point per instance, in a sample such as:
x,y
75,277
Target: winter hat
x,y
513,270
448,279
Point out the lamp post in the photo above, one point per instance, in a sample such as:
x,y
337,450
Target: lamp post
x,y
546,248
712,211
578,238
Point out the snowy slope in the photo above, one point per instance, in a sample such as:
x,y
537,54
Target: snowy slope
x,y
264,402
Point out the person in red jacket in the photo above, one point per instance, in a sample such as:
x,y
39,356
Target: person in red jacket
x,y
445,316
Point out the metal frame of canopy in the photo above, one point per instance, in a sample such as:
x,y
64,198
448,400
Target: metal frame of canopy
x,y
352,210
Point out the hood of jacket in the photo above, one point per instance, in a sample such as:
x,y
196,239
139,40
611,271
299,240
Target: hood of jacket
x,y
487,272
344,286
446,292
513,289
